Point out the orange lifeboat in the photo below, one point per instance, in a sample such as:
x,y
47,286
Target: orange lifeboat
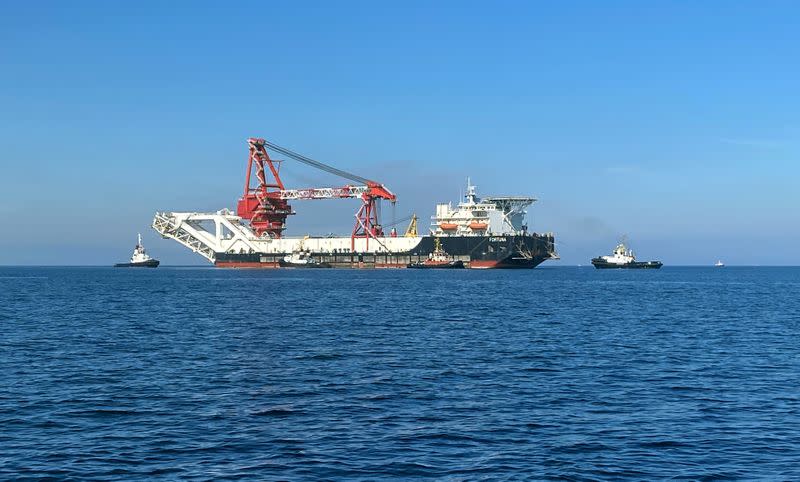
x,y
478,226
448,226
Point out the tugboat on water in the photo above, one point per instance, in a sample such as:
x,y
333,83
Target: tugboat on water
x,y
301,259
139,258
623,258
438,259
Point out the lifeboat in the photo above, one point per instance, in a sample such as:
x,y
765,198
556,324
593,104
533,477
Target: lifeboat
x,y
448,226
478,226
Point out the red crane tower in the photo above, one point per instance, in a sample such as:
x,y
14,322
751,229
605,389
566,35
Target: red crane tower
x,y
266,206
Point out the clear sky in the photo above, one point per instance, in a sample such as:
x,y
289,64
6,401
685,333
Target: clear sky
x,y
676,123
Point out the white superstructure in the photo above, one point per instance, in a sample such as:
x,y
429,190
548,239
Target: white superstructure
x,y
480,217
299,258
224,232
139,254
621,255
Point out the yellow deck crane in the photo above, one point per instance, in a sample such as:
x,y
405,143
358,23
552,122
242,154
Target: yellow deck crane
x,y
411,230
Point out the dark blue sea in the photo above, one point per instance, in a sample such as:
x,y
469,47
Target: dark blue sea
x,y
557,372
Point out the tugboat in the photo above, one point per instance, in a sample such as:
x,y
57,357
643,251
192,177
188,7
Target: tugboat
x,y
623,258
301,259
438,259
139,258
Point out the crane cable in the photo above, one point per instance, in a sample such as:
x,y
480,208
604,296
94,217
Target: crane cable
x,y
317,164
398,221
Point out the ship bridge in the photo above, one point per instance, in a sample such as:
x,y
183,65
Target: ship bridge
x,y
481,217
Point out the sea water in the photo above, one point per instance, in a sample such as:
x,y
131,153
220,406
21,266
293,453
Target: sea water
x,y
399,374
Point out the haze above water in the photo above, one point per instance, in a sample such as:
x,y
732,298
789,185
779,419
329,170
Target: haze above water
x,y
676,124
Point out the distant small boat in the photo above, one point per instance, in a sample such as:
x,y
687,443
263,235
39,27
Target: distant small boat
x,y
140,258
719,264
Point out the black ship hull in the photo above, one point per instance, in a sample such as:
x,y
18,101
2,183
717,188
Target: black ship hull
x,y
523,251
150,263
600,263
450,265
288,264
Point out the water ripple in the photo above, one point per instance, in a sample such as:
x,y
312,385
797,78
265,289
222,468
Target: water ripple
x,y
687,374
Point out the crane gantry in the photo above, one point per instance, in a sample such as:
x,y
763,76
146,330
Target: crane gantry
x,y
266,206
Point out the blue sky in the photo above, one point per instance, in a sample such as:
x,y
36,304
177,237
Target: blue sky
x,y
675,123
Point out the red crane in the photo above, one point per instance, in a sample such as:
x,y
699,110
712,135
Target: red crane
x,y
265,203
